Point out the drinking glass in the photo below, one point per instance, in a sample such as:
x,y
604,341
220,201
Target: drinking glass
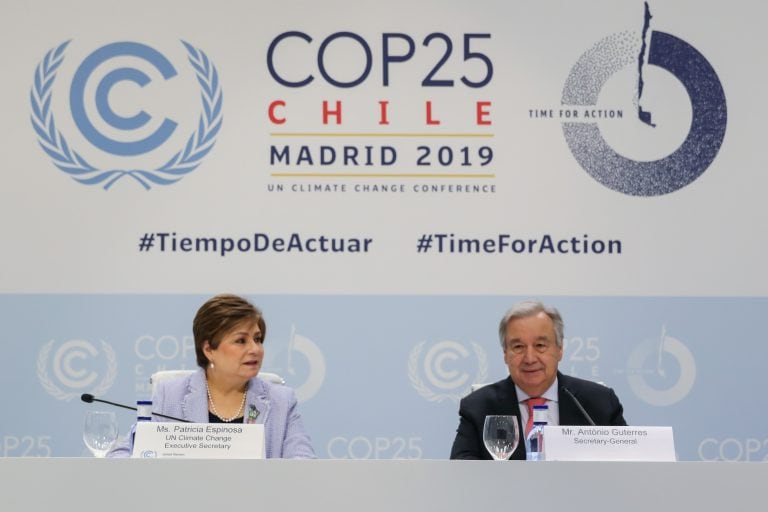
x,y
100,432
500,436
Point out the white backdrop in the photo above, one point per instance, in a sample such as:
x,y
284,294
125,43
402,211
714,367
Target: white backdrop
x,y
655,261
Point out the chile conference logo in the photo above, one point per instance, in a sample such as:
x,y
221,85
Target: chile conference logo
x,y
652,58
304,362
662,371
116,137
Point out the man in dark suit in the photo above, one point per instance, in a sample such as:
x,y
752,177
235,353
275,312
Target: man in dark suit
x,y
531,336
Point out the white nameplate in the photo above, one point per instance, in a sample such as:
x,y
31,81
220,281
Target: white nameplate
x,y
654,444
198,440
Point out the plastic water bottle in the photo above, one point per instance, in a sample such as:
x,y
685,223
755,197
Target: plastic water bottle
x,y
534,442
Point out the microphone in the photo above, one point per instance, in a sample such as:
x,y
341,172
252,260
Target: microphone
x,y
578,404
89,398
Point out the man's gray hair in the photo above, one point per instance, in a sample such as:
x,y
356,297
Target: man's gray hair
x,y
528,308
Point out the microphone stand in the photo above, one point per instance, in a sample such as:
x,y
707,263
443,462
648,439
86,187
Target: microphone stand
x,y
89,398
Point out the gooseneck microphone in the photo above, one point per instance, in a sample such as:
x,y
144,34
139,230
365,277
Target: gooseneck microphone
x,y
89,398
578,404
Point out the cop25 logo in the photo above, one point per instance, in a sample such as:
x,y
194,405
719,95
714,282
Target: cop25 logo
x,y
126,140
651,58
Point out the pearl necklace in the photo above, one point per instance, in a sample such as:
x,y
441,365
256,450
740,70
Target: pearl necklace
x,y
213,406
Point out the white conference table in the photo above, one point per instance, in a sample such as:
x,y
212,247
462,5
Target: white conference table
x,y
35,484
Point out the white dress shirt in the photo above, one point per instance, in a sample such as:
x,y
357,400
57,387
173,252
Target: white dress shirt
x,y
553,412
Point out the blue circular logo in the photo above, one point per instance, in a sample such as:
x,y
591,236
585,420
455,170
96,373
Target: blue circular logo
x,y
643,53
100,132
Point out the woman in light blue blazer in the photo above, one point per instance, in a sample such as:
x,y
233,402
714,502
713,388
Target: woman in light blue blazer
x,y
229,343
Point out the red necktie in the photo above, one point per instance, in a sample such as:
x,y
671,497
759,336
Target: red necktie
x,y
532,402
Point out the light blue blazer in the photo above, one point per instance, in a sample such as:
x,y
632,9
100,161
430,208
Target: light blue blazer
x,y
187,398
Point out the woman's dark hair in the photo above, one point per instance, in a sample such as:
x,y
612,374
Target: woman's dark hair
x,y
218,316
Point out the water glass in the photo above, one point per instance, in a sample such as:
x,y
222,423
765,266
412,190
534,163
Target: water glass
x,y
100,432
500,435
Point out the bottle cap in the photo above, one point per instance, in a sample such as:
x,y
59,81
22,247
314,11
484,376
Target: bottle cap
x,y
540,414
144,409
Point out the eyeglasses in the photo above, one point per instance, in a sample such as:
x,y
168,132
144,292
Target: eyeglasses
x,y
540,346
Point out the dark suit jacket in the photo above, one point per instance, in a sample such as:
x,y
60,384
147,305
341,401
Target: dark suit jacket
x,y
600,402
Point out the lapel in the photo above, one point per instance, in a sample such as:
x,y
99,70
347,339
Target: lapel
x,y
257,398
506,397
569,413
194,405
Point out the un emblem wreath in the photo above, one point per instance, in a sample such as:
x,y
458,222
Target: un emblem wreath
x,y
426,392
104,384
71,162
